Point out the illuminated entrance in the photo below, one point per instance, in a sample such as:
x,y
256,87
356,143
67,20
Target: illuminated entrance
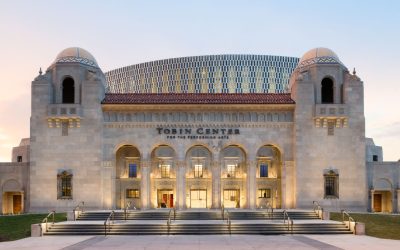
x,y
232,198
165,198
198,198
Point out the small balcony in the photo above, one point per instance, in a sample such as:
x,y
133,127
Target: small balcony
x,y
331,110
64,110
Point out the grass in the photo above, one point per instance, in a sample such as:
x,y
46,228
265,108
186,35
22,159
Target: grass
x,y
16,227
383,226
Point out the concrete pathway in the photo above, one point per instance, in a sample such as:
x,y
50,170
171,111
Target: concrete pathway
x,y
201,242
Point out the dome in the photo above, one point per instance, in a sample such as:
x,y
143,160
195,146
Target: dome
x,y
319,55
75,54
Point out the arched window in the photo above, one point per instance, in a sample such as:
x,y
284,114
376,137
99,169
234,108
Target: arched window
x,y
68,90
327,90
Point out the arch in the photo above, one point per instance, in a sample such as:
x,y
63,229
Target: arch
x,y
383,184
68,90
198,161
12,185
327,90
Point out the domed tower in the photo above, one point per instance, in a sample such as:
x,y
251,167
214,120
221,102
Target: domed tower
x,y
66,131
329,133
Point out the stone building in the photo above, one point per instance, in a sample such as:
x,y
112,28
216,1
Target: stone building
x,y
240,146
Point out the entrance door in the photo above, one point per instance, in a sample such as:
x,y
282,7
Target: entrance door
x,y
378,202
198,198
17,204
232,198
165,198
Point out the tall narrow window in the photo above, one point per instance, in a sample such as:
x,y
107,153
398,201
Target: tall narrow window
x,y
327,90
132,170
231,169
198,171
165,171
68,90
64,187
331,182
264,170
19,158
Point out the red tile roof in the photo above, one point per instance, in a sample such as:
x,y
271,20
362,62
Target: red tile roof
x,y
198,98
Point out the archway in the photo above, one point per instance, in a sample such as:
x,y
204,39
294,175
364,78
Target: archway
x,y
163,172
68,90
268,175
13,197
198,177
327,90
128,176
382,196
233,177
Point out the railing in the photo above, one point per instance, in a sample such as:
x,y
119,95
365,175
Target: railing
x,y
318,209
172,212
126,208
228,220
351,219
289,221
45,220
78,209
270,214
107,222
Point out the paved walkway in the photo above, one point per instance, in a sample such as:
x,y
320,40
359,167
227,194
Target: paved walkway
x,y
197,242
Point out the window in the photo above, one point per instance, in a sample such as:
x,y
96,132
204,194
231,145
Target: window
x,y
19,158
264,193
64,187
231,170
165,171
132,170
198,171
374,158
68,90
132,193
264,170
331,184
326,91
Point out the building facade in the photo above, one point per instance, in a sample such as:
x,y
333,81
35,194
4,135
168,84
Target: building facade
x,y
205,141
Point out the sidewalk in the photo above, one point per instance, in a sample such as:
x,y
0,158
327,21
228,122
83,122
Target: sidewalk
x,y
201,242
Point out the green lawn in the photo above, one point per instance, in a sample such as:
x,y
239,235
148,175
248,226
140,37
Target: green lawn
x,y
377,225
19,226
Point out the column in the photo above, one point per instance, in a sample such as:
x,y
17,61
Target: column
x,y
251,184
145,187
372,200
181,185
216,184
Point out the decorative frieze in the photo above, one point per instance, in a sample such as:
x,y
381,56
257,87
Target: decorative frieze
x,y
199,117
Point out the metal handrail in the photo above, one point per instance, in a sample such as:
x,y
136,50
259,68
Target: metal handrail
x,y
78,208
172,212
317,208
270,214
46,219
289,221
108,221
228,220
126,208
350,219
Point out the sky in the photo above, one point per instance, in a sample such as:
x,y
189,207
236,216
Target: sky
x,y
364,34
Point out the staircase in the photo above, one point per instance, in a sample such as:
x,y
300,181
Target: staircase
x,y
197,223
204,215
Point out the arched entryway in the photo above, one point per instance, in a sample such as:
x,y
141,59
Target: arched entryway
x,y
233,177
198,177
128,177
13,197
268,175
163,177
382,196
